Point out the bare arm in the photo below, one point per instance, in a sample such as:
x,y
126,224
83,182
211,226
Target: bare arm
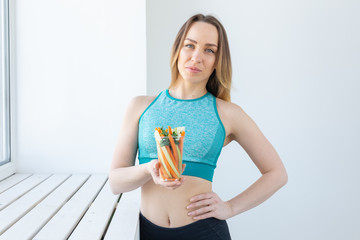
x,y
123,175
244,130
274,176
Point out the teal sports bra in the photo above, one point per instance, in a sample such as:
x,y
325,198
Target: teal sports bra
x,y
205,133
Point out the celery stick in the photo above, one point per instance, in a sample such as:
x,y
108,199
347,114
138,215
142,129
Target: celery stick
x,y
180,158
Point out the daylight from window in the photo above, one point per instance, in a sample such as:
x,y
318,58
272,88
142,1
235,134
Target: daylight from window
x,y
4,85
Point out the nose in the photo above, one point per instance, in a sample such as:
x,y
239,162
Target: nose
x,y
196,56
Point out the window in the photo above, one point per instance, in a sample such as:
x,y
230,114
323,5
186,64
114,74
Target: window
x,y
4,84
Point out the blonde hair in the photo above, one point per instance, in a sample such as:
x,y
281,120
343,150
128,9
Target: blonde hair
x,y
219,82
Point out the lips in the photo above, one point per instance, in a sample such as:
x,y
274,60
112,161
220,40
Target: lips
x,y
193,69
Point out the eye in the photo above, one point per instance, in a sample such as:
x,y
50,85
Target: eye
x,y
209,50
189,45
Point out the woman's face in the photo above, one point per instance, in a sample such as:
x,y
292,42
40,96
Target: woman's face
x,y
197,55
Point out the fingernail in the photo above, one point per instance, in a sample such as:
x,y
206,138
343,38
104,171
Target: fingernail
x,y
195,218
190,213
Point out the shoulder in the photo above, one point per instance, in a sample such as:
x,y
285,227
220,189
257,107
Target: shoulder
x,y
228,109
141,101
232,116
138,104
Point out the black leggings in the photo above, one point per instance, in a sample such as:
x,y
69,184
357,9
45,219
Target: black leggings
x,y
206,229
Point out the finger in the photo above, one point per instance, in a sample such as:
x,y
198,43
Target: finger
x,y
170,184
182,179
164,184
204,216
201,197
172,188
153,164
156,172
157,165
197,204
183,167
201,211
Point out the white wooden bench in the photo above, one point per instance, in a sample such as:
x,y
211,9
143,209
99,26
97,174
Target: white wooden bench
x,y
65,206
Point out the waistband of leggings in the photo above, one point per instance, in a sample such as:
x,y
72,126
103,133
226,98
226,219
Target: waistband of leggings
x,y
190,225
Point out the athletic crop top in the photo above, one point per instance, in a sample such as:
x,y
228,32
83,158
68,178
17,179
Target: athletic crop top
x,y
205,133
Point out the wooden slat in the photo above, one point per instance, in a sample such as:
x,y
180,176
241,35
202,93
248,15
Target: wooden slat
x,y
63,223
12,180
28,226
125,221
9,196
7,170
20,207
94,222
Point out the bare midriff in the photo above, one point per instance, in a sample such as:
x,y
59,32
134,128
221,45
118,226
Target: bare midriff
x,y
167,208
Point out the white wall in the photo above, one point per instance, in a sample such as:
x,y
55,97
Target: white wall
x,y
296,73
77,64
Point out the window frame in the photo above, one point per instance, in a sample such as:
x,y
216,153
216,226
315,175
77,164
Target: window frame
x,y
7,167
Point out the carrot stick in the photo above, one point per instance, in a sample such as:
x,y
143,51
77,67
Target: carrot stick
x,y
173,146
163,174
167,158
163,163
162,171
171,169
175,155
162,159
181,144
172,156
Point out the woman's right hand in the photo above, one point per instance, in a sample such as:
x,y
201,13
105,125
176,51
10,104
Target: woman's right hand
x,y
153,168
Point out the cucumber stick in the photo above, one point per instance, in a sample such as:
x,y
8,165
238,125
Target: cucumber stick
x,y
164,165
179,157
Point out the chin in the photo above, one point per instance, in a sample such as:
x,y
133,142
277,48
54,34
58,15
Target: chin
x,y
194,79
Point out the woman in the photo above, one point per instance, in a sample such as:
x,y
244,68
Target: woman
x,y
199,99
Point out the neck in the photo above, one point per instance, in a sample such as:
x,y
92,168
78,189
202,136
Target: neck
x,y
186,91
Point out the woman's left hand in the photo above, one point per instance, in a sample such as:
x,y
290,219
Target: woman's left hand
x,y
208,205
